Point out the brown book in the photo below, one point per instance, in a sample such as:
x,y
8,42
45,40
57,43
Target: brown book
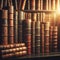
x,y
55,39
33,36
1,4
13,50
9,46
16,27
20,24
27,34
41,19
42,37
4,27
37,37
46,42
16,54
50,38
23,5
16,22
11,24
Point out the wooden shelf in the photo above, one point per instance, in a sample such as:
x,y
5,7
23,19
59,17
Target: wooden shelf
x,y
41,11
35,56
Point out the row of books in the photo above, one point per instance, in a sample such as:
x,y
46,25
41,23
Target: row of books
x,y
13,50
39,35
31,4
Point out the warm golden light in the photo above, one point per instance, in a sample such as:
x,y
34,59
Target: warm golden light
x,y
58,10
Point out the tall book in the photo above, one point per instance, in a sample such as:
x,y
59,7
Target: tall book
x,y
53,8
33,36
58,23
11,23
37,28
41,9
22,4
32,7
37,37
0,25
55,39
42,37
50,38
20,21
1,4
27,34
46,35
16,23
4,27
4,23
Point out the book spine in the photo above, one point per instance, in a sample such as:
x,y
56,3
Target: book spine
x,y
32,7
16,27
55,39
50,38
41,9
46,42
33,36
16,54
38,5
11,24
23,5
4,27
57,4
53,4
46,4
42,37
27,34
20,20
13,50
37,37
1,4
32,4
9,46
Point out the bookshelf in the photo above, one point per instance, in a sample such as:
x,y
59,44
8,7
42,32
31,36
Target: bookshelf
x,y
33,29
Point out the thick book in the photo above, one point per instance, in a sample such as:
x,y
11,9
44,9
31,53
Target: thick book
x,y
20,24
42,37
55,39
4,27
27,34
11,24
16,22
50,38
46,41
16,26
9,46
37,37
33,36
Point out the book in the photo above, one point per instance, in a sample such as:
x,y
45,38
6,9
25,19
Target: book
x,y
23,5
16,54
16,27
4,27
46,41
9,46
1,4
27,34
50,38
20,23
11,23
42,37
37,37
55,39
33,36
38,5
16,23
